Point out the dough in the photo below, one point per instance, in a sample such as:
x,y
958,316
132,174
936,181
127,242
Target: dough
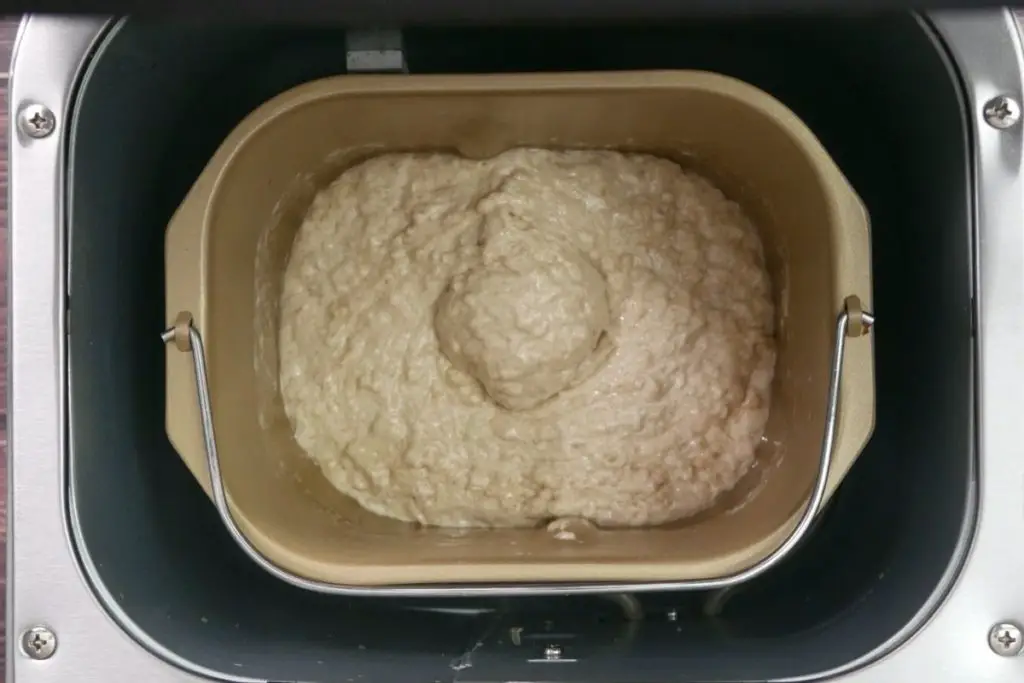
x,y
543,334
526,348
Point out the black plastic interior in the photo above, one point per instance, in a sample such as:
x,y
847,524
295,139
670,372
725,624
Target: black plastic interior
x,y
156,103
376,13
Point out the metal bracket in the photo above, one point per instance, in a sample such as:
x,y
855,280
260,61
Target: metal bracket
x,y
374,51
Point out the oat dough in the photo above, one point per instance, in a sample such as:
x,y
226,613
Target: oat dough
x,y
538,335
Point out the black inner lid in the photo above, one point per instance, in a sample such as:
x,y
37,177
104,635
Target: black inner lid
x,y
391,13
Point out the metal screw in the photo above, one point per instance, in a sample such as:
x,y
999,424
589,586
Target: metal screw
x,y
1006,639
39,642
672,615
1002,112
553,652
36,121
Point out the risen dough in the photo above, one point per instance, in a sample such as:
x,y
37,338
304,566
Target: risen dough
x,y
538,335
525,348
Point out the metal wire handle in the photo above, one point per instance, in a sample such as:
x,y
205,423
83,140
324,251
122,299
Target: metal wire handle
x,y
853,321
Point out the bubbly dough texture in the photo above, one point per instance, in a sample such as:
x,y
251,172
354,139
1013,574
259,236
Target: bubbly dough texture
x,y
543,334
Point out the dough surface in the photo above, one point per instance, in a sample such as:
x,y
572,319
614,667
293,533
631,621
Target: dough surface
x,y
543,334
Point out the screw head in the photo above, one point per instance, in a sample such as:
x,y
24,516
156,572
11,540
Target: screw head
x,y
39,642
1006,639
1002,112
36,121
553,652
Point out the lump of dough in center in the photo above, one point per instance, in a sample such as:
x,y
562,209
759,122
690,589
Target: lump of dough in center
x,y
527,321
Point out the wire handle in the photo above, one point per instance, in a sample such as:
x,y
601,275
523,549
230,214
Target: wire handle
x,y
853,321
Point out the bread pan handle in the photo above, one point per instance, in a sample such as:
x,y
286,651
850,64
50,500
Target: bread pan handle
x,y
852,322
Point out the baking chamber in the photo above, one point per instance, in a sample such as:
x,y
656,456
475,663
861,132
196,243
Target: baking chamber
x,y
148,117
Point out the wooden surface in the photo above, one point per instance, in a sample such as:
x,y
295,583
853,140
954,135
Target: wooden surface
x,y
7,31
